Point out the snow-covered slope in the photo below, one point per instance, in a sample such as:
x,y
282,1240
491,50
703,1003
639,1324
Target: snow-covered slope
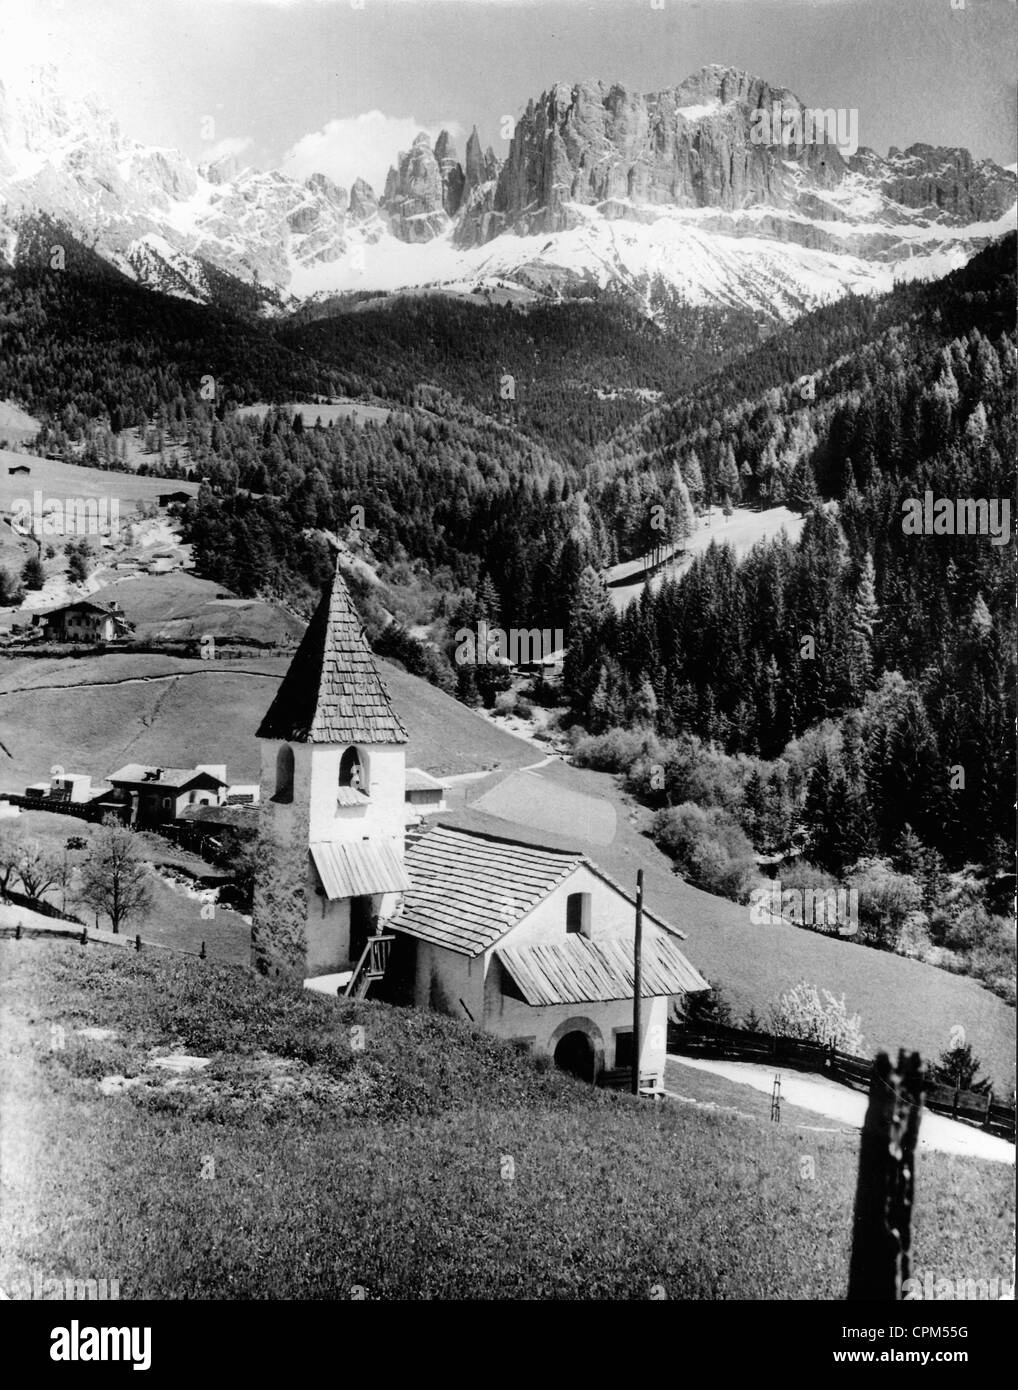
x,y
600,186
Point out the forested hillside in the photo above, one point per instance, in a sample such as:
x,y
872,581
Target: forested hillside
x,y
852,695
579,369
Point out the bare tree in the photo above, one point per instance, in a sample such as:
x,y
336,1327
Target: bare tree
x,y
10,852
114,880
38,868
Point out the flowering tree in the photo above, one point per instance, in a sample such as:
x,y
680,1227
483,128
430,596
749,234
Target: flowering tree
x,y
817,1016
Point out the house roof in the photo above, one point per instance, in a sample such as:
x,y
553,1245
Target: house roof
x,y
491,827
578,971
176,777
419,781
332,692
358,868
468,888
82,604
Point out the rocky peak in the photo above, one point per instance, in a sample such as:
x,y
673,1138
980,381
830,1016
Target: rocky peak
x,y
324,187
363,203
423,189
451,172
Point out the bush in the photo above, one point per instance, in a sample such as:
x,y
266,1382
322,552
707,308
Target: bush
x,y
614,751
887,900
802,1013
505,703
710,848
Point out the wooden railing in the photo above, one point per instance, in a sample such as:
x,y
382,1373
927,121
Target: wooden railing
x,y
371,966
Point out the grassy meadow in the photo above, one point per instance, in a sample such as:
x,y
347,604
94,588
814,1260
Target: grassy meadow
x,y
436,1162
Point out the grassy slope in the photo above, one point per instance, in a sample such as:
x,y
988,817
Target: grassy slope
x,y
902,1002
193,711
173,606
62,480
384,1168
94,714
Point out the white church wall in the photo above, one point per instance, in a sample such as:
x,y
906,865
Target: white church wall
x,y
545,1024
381,817
610,914
328,934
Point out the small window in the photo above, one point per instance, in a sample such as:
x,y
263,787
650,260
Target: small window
x,y
284,774
351,774
624,1048
578,913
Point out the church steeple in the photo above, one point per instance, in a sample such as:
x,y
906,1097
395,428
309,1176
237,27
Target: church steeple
x,y
333,801
332,692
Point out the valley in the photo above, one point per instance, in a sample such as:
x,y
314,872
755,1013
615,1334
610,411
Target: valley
x,y
505,792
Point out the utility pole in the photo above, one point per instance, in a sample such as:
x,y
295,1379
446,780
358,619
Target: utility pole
x,y
637,981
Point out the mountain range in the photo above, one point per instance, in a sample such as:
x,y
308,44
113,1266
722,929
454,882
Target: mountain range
x,y
671,191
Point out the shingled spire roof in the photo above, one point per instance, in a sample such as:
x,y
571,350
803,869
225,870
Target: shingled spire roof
x,y
332,692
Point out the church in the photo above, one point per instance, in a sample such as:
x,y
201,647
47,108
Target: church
x,y
529,942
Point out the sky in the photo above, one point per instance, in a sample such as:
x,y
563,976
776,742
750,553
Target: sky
x,y
341,85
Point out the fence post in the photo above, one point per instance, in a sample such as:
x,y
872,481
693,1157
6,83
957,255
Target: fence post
x,y
882,1223
84,936
201,953
989,1104
17,931
137,942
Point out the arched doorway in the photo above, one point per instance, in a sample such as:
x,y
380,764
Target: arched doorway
x,y
575,1055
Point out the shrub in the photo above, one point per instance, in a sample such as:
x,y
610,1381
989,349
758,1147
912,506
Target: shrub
x,y
887,900
710,848
801,1012
957,1066
505,703
614,751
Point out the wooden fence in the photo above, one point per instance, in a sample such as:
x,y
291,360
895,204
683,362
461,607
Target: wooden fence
x,y
65,930
769,1049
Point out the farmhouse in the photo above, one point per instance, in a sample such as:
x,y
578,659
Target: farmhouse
x,y
157,794
83,621
527,941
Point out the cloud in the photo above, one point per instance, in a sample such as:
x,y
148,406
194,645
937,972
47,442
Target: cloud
x,y
359,146
231,145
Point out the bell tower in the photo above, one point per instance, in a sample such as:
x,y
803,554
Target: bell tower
x,y
333,784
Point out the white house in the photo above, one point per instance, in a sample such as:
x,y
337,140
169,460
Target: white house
x,y
424,794
530,942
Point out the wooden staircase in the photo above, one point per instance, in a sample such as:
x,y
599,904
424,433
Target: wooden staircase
x,y
370,967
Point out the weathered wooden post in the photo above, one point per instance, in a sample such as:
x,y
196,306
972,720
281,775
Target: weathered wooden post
x,y
137,942
201,953
882,1225
637,980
